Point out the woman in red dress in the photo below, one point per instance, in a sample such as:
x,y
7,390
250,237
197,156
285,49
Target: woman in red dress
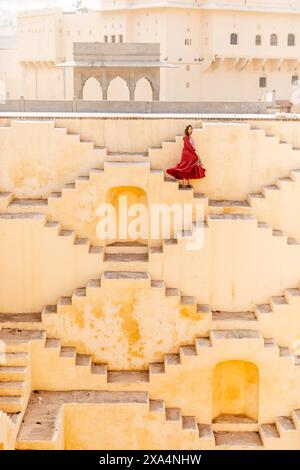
x,y
190,166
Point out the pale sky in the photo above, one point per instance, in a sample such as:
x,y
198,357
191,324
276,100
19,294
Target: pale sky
x,y
66,4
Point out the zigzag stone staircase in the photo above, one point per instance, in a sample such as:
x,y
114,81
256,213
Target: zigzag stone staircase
x,y
20,333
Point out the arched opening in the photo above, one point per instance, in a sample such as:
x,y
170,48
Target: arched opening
x,y
143,90
258,40
273,40
92,90
235,390
131,213
262,81
233,38
291,40
118,90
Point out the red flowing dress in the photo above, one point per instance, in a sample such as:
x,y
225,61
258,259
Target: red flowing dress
x,y
189,167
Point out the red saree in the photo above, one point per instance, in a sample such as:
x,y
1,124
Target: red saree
x,y
189,167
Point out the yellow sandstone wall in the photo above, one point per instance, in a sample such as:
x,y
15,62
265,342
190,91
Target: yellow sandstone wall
x,y
209,332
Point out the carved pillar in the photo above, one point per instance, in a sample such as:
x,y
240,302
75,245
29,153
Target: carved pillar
x,y
156,93
131,80
154,78
131,92
104,82
78,86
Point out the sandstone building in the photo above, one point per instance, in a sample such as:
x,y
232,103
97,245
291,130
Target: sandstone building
x,y
226,50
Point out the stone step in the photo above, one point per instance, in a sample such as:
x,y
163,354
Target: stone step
x,y
292,296
52,343
236,217
296,418
49,310
127,247
54,196
249,337
155,250
169,179
5,199
79,293
295,174
68,352
282,182
234,320
64,302
18,340
189,423
187,352
12,373
157,406
270,343
156,368
115,275
83,242
11,404
200,197
126,157
28,205
129,164
11,335
54,226
261,310
172,360
158,285
96,175
278,302
13,359
269,433
12,388
21,321
68,187
173,292
39,427
205,432
82,182
136,277
228,207
128,376
23,216
173,414
126,257
92,285
254,198
99,369
188,301
83,360
234,423
137,262
269,189
67,235
238,440
285,424
285,352
202,344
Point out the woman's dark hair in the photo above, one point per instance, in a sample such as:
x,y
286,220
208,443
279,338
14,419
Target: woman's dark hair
x,y
187,128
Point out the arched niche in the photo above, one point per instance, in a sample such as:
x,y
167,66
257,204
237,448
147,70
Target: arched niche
x,y
143,90
133,201
92,90
118,90
235,389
